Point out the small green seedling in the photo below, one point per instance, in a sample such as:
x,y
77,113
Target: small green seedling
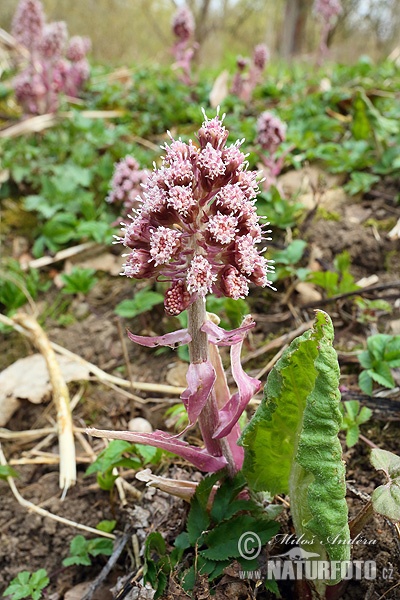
x,y
28,585
281,212
81,550
121,454
353,417
143,301
382,355
176,417
360,182
17,287
287,259
368,310
386,498
79,281
336,282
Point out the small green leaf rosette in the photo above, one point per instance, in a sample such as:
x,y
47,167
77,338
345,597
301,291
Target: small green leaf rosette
x,y
386,498
292,446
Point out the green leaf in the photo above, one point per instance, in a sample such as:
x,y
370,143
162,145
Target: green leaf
x,y
182,541
365,359
100,546
148,454
78,559
39,579
110,456
364,415
360,181
106,526
376,345
352,407
392,352
361,126
225,494
292,254
142,302
60,229
352,435
223,541
7,471
272,586
386,498
365,382
198,519
292,446
381,374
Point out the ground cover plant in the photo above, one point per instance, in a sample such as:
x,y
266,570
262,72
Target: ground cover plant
x,y
320,160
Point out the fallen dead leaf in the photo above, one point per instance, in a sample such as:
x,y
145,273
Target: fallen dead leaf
x,y
307,292
367,281
331,199
101,262
394,327
79,591
28,379
308,179
220,89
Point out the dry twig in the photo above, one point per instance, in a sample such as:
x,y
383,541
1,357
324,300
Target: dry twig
x,y
278,342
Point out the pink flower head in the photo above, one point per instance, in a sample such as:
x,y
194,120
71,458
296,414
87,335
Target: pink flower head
x,y
126,182
54,40
197,225
327,10
271,132
28,22
260,56
183,23
242,62
52,69
78,48
30,90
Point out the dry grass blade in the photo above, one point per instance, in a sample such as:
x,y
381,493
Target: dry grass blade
x,y
278,342
45,513
42,122
9,41
60,397
45,261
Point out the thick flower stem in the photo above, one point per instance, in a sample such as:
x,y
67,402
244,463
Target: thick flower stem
x,y
198,352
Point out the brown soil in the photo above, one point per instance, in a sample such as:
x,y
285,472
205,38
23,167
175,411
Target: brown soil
x,y
29,542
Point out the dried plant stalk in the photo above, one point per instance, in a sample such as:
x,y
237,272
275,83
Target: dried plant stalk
x,y
45,513
60,397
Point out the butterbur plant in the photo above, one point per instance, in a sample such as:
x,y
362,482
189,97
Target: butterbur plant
x,y
327,11
271,132
183,27
249,72
126,183
55,66
197,228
